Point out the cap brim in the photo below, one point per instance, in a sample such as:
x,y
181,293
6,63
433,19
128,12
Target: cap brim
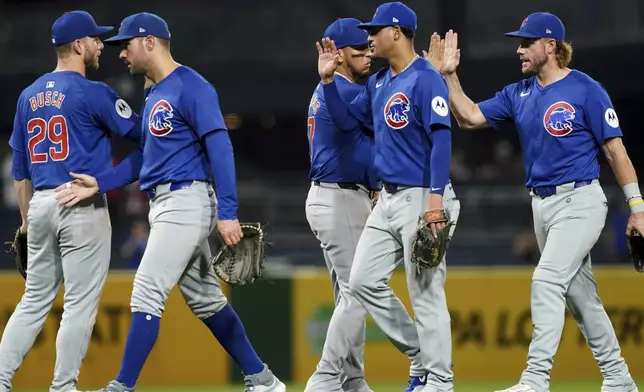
x,y
105,29
117,39
371,25
100,30
521,34
352,44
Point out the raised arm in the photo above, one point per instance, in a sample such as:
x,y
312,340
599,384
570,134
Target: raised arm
x,y
445,56
346,116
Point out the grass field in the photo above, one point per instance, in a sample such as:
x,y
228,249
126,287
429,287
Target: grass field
x,y
586,386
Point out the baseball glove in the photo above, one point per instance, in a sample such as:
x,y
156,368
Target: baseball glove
x,y
243,263
427,251
636,250
18,248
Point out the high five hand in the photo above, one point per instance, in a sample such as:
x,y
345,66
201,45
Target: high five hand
x,y
328,59
436,52
452,54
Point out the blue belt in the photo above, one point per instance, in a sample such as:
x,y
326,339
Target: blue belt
x,y
175,186
547,191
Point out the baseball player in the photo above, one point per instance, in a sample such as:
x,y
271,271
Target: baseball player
x,y
337,208
564,118
63,123
406,106
186,144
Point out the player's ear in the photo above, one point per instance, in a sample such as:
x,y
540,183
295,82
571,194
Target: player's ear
x,y
341,53
150,42
78,47
396,32
551,46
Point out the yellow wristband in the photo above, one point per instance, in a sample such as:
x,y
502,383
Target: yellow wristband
x,y
633,203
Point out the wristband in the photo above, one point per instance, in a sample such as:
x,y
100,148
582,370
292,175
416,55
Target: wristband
x,y
636,205
633,197
635,202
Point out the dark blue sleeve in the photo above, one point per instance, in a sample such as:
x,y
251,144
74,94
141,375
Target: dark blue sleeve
x,y
360,107
222,163
136,133
431,97
346,116
600,115
110,110
499,108
349,91
201,107
123,174
440,158
20,167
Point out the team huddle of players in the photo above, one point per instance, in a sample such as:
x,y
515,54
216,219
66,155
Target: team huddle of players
x,y
380,162
392,137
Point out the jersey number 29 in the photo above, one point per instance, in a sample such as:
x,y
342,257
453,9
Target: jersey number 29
x,y
311,132
56,131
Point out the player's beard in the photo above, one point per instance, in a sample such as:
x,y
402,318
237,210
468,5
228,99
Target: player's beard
x,y
91,60
358,74
535,65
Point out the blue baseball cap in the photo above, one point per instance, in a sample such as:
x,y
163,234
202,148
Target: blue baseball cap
x,y
345,32
392,14
540,25
75,25
141,25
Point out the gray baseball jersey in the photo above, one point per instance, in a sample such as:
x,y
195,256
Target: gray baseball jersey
x,y
70,245
337,208
563,127
58,131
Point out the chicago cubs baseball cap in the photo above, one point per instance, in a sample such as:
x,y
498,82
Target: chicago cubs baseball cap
x,y
75,25
141,25
345,32
540,25
392,14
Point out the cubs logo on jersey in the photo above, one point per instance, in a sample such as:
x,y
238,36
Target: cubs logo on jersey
x,y
397,111
558,119
159,120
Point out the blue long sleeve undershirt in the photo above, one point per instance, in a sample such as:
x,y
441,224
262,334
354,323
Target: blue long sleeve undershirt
x,y
338,108
222,163
440,159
